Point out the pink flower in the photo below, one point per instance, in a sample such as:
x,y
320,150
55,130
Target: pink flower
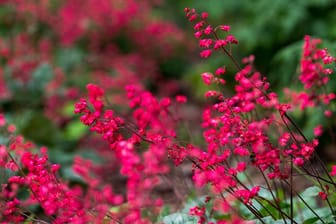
x,y
328,113
205,43
231,39
283,108
323,195
241,151
241,166
318,130
333,170
328,59
181,99
2,120
220,44
225,28
199,25
11,128
206,53
220,71
212,93
207,77
204,15
283,140
198,34
298,161
208,30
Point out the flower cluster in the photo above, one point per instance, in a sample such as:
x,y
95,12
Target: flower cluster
x,y
34,174
139,144
252,128
314,76
136,134
37,175
204,32
57,46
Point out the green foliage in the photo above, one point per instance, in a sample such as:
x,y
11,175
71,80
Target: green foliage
x,y
41,76
183,215
273,32
75,130
29,94
302,212
69,59
179,218
39,128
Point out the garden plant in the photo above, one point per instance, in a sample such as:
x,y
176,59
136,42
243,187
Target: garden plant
x,y
95,124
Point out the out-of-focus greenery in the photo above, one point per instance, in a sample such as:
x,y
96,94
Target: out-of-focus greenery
x,y
271,30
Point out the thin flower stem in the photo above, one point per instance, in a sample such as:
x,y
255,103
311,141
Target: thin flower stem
x,y
36,220
236,64
234,61
232,207
308,174
288,128
317,176
249,207
231,191
274,198
296,127
274,206
305,203
322,188
270,203
325,169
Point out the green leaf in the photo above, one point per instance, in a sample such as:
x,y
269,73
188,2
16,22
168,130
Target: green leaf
x,y
68,109
69,58
29,219
60,156
192,203
41,76
75,130
311,192
179,218
69,174
269,220
91,155
310,220
265,193
164,212
41,130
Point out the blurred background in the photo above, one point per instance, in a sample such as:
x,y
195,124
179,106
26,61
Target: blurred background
x,y
50,50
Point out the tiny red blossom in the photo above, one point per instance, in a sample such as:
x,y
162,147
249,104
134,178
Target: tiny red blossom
x,y
225,28
333,170
206,53
219,44
208,30
220,71
207,77
323,195
204,15
318,130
